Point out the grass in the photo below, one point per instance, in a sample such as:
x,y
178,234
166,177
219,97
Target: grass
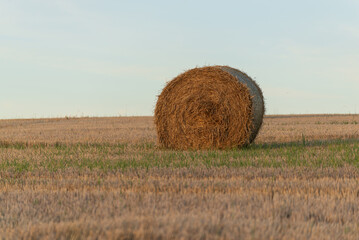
x,y
300,184
114,157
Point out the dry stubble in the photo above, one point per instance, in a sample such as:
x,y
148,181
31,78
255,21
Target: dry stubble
x,y
194,201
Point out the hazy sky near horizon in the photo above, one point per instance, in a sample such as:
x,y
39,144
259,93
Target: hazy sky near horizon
x,y
109,58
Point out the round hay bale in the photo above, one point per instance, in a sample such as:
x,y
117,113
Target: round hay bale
x,y
214,107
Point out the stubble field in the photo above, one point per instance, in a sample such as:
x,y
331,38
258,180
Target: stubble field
x,y
75,178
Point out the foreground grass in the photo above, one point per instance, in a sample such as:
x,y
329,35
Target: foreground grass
x,y
296,190
222,203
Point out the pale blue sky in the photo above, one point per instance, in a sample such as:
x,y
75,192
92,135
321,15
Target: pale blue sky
x,y
109,58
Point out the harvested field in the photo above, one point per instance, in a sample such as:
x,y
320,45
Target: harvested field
x,y
105,178
281,128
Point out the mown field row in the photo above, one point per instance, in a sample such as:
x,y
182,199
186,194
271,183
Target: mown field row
x,y
86,186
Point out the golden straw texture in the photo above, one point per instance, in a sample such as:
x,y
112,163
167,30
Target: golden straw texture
x,y
204,108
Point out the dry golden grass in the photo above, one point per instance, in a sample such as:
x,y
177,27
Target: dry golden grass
x,y
91,178
79,130
182,203
141,129
313,127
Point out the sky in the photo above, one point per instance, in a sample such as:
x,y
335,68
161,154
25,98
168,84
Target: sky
x,y
112,57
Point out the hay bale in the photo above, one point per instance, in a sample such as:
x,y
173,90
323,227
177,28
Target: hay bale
x,y
209,108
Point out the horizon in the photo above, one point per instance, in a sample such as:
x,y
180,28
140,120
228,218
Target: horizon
x,y
151,116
